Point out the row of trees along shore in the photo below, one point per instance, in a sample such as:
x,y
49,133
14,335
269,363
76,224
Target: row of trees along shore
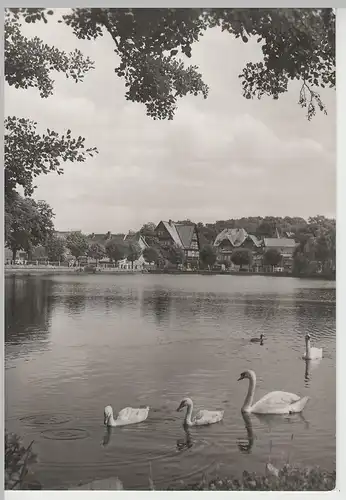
x,y
155,76
315,238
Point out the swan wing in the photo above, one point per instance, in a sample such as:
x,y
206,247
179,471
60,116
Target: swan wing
x,y
298,406
316,352
275,402
205,417
133,415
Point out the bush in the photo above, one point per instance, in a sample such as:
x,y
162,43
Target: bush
x,y
289,478
17,460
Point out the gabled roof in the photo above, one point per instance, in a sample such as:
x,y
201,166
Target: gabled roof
x,y
279,242
236,236
185,232
131,237
257,242
172,230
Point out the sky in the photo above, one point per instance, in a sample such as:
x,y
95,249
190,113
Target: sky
x,y
220,158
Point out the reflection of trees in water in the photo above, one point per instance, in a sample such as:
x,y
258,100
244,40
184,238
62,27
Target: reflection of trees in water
x,y
262,309
315,311
158,302
75,304
75,298
78,298
28,307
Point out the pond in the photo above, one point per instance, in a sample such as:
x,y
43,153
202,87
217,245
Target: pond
x,y
74,344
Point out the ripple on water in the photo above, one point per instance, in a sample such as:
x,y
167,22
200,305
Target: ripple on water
x,y
45,419
65,434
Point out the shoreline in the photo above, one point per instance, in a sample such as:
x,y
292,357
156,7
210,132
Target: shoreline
x,y
38,271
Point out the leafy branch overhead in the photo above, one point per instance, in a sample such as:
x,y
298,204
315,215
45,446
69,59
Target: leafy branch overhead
x,y
297,44
29,62
29,154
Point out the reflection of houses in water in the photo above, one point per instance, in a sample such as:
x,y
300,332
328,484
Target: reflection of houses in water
x,y
28,309
157,301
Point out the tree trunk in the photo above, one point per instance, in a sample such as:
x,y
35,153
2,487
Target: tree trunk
x,y
14,254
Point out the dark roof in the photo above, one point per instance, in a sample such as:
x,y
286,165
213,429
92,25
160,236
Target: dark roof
x,y
185,232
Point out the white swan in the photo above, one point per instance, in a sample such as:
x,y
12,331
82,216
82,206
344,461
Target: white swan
x,y
203,417
311,352
126,416
276,402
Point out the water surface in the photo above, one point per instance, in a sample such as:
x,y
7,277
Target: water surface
x,y
74,344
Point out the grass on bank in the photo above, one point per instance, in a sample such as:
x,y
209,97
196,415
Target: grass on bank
x,y
288,478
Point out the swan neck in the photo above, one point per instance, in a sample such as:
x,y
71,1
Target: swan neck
x,y
189,413
250,393
111,422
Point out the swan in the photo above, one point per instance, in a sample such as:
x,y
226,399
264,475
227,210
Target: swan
x,y
126,416
260,339
312,352
203,417
276,402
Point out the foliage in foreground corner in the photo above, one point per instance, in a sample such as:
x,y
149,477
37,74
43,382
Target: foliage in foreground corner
x,y
290,478
17,461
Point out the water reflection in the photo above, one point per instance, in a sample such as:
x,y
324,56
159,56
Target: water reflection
x,y
107,436
158,302
312,308
28,309
185,443
310,365
207,344
262,309
245,445
75,304
272,421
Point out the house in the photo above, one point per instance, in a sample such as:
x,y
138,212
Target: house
x,y
230,239
136,238
184,236
285,246
139,263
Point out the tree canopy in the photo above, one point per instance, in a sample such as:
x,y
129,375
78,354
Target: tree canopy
x,y
116,250
77,243
55,248
134,251
207,255
241,257
271,257
27,224
154,45
151,254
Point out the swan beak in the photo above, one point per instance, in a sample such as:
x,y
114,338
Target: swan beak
x,y
240,378
180,407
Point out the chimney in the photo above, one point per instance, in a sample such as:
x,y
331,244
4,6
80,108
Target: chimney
x,y
170,222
